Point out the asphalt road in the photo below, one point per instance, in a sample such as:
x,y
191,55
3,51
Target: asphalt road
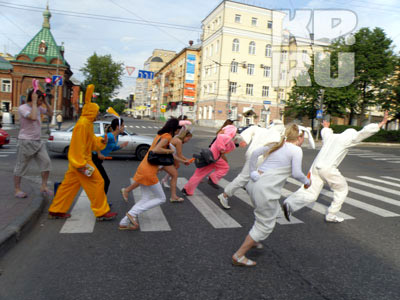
x,y
308,259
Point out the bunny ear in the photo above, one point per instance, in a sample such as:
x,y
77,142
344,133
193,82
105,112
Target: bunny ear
x,y
35,84
89,93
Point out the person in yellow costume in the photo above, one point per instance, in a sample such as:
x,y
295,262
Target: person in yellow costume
x,y
83,143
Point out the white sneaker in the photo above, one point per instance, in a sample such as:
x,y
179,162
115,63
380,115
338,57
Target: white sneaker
x,y
165,184
223,201
331,218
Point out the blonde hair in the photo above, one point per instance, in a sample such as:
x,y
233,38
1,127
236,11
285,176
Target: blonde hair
x,y
291,135
183,134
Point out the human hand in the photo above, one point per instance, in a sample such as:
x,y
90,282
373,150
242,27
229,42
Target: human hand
x,y
242,144
105,140
81,170
101,156
124,144
306,186
385,119
255,176
34,98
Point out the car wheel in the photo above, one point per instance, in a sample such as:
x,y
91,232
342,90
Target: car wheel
x,y
141,152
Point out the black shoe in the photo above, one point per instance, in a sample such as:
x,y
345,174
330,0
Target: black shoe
x,y
184,191
286,211
210,182
109,204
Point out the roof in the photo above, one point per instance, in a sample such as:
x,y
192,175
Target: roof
x,y
53,50
4,64
157,59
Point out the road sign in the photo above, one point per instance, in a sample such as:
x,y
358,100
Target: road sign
x,y
57,80
319,114
145,74
130,70
267,102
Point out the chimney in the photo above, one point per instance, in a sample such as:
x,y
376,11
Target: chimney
x,y
191,43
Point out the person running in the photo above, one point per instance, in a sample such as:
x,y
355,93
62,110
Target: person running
x,y
255,137
280,161
113,131
30,146
325,169
146,177
223,144
82,172
176,144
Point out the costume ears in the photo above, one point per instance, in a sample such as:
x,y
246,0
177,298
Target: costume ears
x,y
35,85
111,111
89,93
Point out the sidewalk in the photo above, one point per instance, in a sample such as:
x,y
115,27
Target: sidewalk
x,y
17,215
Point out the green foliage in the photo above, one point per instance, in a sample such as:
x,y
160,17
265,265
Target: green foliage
x,y
105,74
119,105
382,136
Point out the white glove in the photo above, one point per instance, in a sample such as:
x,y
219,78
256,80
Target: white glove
x,y
255,176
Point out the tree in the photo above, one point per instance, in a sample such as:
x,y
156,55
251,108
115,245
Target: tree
x,y
119,105
105,74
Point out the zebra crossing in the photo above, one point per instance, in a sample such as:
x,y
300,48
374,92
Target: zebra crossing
x,y
137,126
368,201
9,149
384,157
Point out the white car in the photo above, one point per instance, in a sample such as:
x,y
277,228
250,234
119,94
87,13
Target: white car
x,y
138,145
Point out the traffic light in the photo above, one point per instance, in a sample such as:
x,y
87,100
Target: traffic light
x,y
48,87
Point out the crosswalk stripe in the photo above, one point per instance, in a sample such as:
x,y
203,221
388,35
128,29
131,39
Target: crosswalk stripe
x,y
143,126
394,162
353,202
8,152
391,178
3,155
391,158
82,218
242,195
215,215
137,126
155,126
153,219
318,207
380,180
370,185
374,196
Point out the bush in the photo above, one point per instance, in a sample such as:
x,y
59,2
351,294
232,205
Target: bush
x,y
382,136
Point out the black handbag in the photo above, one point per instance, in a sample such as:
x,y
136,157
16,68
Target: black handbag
x,y
204,159
160,159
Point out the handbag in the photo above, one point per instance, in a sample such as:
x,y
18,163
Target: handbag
x,y
204,159
160,159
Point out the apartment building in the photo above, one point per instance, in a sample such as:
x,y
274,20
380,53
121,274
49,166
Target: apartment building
x,y
248,63
175,85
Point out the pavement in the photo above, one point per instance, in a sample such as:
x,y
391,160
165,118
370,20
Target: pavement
x,y
17,215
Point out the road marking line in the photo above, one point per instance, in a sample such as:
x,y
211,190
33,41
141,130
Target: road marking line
x,y
131,126
213,214
82,218
155,126
144,127
152,219
374,196
8,152
394,162
3,155
370,185
391,158
353,202
242,195
380,180
137,126
392,178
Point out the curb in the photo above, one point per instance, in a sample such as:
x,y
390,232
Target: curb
x,y
14,232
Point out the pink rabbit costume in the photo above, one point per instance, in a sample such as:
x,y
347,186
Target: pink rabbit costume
x,y
223,144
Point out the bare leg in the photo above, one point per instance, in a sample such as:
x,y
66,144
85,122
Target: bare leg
x,y
17,184
133,186
246,246
45,177
171,170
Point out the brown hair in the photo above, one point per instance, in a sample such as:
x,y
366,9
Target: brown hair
x,y
226,123
291,135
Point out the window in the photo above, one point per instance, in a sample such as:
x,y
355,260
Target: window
x,y
232,87
267,71
281,94
217,47
234,66
269,25
252,48
268,51
211,50
6,85
235,45
237,18
214,87
205,112
250,69
249,89
210,112
304,56
208,89
265,91
284,55
216,68
254,21
96,128
200,112
283,74
219,20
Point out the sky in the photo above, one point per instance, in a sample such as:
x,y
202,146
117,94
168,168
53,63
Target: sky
x,y
139,30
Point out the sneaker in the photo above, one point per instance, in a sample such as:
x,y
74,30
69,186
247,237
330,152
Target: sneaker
x,y
107,217
53,215
224,201
286,211
210,182
331,218
166,184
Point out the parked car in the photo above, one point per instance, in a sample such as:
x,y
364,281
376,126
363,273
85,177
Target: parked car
x,y
4,137
138,145
243,128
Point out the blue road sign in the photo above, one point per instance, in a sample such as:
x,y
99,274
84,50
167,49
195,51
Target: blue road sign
x,y
145,74
319,114
267,102
57,80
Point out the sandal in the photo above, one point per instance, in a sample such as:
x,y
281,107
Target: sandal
x,y
21,194
258,246
130,226
177,200
47,193
124,195
242,261
134,223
